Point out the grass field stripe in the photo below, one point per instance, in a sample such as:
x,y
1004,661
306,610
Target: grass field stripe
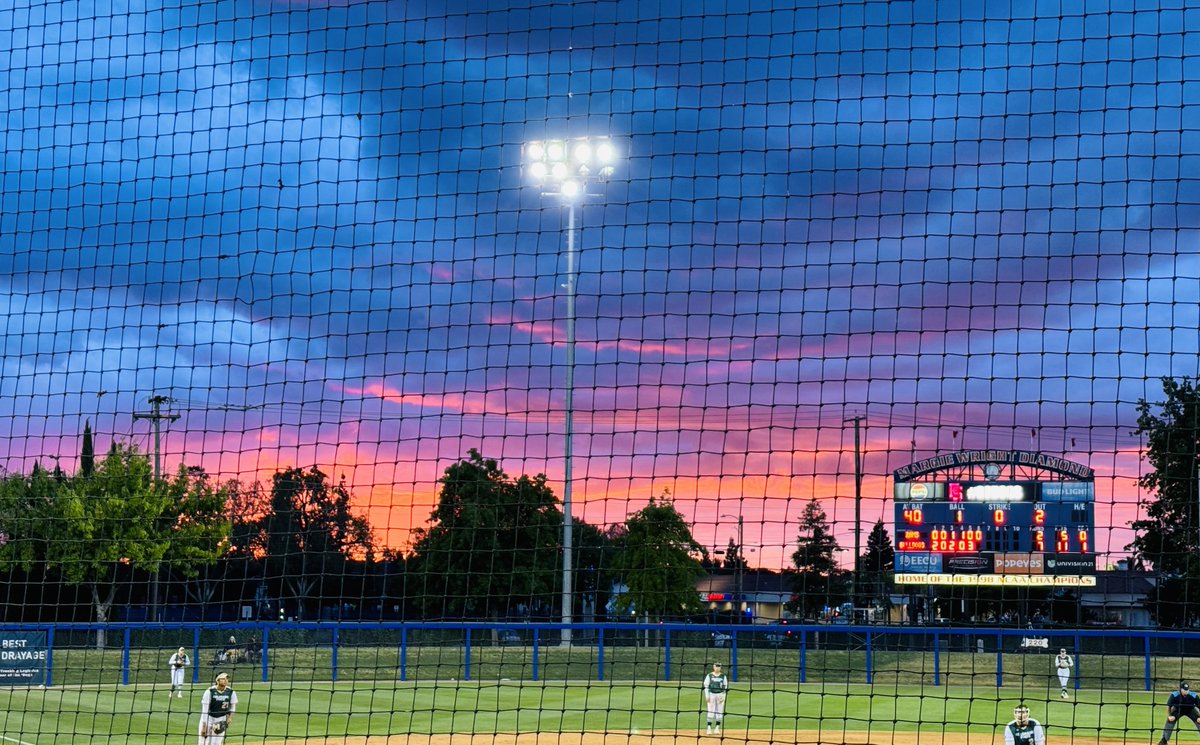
x,y
14,740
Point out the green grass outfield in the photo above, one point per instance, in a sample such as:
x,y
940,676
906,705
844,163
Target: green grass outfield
x,y
274,712
369,664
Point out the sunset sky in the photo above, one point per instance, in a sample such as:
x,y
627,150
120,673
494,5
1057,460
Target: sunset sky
x,y
973,224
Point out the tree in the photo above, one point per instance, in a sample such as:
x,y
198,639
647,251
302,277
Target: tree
x,y
26,527
593,575
200,526
734,559
876,564
817,579
87,452
120,517
110,519
310,533
493,543
658,561
1168,538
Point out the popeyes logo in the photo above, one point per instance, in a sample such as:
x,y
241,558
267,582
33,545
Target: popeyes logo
x,y
1020,563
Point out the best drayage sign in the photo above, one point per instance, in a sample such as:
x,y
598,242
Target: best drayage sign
x,y
23,658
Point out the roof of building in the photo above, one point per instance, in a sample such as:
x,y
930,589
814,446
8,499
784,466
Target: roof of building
x,y
754,582
1120,582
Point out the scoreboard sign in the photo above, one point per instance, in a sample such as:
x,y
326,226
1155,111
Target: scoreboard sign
x,y
970,529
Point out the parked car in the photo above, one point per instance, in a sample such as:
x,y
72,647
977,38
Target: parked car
x,y
780,638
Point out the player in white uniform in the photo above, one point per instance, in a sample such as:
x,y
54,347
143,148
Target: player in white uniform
x,y
178,662
716,685
216,711
1063,664
1022,730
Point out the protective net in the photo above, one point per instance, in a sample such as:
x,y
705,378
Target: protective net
x,y
488,371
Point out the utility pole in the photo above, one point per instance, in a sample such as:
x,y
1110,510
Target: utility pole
x,y
740,582
739,569
156,416
857,507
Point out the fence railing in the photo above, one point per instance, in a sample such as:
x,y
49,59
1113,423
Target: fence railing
x,y
931,654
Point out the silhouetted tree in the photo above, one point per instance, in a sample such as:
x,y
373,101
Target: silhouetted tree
x,y
817,581
309,534
658,561
876,565
493,543
1168,537
87,452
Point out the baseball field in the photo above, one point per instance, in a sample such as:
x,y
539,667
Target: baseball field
x,y
434,706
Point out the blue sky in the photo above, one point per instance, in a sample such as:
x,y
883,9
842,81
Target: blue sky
x,y
972,223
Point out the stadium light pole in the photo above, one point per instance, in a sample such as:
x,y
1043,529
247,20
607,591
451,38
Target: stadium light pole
x,y
563,169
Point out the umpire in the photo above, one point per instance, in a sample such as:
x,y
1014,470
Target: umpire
x,y
1181,703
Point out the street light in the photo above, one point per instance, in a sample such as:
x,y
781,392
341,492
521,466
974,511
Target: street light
x,y
741,562
564,168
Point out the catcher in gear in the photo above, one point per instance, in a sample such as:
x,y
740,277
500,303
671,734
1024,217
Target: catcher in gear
x,y
216,711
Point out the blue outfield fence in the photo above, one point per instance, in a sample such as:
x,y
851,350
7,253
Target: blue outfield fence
x,y
870,641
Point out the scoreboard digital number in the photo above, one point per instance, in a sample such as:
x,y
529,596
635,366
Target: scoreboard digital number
x,y
974,527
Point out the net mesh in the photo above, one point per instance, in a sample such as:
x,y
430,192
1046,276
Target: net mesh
x,y
493,369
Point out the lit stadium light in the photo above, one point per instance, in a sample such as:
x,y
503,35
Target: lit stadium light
x,y
566,167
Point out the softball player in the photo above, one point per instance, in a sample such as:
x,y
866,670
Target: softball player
x,y
1022,730
216,711
716,685
1181,703
1063,663
177,663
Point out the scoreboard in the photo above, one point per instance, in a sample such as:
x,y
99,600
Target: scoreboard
x,y
949,528
965,532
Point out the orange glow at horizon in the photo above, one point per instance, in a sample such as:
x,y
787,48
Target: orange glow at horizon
x,y
767,481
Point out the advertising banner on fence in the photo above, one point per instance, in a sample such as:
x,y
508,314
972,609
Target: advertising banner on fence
x,y
23,658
